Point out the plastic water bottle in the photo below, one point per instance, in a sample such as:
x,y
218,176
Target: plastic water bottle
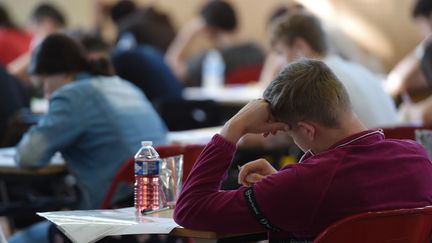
x,y
213,70
146,178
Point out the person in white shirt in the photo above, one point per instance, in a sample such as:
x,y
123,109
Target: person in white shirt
x,y
300,35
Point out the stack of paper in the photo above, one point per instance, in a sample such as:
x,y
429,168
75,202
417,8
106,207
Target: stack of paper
x,y
91,225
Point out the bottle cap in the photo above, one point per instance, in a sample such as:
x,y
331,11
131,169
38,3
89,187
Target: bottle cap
x,y
146,143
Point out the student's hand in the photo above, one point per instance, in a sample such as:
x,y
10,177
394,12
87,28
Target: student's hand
x,y
256,118
254,171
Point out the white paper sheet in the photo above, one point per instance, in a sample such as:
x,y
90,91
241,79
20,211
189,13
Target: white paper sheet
x,y
90,225
7,158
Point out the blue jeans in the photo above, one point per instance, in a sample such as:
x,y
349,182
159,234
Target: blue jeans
x,y
35,233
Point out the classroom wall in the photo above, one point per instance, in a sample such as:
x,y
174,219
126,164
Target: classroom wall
x,y
382,27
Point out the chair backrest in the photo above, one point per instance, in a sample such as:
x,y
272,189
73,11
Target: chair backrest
x,y
402,132
190,154
126,172
391,226
181,115
244,74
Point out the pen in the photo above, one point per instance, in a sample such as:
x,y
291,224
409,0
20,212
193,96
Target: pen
x,y
149,211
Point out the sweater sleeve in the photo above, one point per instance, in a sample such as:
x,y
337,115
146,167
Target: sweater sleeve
x,y
203,206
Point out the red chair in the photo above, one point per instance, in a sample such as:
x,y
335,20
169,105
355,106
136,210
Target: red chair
x,y
391,226
190,154
402,132
125,173
243,75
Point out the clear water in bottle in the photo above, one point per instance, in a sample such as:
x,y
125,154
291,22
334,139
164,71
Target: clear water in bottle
x,y
146,178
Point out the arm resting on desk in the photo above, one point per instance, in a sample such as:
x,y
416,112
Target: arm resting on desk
x,y
57,129
202,206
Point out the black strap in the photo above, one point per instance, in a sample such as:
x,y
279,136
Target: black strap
x,y
256,212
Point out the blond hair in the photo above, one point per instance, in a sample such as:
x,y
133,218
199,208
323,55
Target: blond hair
x,y
307,89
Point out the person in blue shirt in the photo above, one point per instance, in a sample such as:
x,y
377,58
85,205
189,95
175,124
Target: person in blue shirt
x,y
96,120
144,66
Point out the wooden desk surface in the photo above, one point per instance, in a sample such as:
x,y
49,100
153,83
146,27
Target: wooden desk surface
x,y
183,232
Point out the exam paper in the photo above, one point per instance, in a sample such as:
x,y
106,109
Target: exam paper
x,y
84,226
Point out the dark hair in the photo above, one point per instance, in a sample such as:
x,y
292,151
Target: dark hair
x,y
219,14
59,53
122,9
302,25
5,20
426,64
46,10
422,8
149,26
93,43
307,89
283,10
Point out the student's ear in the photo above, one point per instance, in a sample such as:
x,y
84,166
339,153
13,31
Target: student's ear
x,y
308,129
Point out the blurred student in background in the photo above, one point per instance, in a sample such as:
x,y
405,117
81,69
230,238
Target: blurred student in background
x,y
13,97
407,74
338,43
217,20
144,66
96,120
141,26
143,36
420,113
13,41
44,20
300,35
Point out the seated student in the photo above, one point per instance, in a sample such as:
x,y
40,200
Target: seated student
x,y
45,19
420,112
145,67
218,22
96,120
346,169
141,26
300,35
339,43
13,97
407,74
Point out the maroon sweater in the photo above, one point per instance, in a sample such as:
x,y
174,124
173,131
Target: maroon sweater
x,y
364,172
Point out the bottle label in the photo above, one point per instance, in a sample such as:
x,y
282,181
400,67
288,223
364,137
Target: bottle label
x,y
147,167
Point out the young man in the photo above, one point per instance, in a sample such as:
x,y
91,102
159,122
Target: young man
x,y
346,169
407,75
300,35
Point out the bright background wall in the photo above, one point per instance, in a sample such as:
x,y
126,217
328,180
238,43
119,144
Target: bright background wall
x,y
382,27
